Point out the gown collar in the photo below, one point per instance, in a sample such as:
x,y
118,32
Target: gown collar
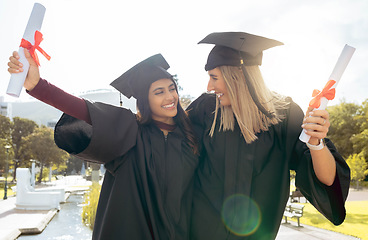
x,y
165,126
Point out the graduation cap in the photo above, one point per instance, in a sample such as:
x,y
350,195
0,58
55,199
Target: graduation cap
x,y
137,80
239,49
236,48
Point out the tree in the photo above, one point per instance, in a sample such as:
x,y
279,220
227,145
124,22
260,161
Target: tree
x,y
185,100
5,139
21,128
344,125
176,80
360,140
74,165
358,167
5,127
40,146
360,143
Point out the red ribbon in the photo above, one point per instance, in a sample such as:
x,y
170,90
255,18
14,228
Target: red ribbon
x,y
326,92
32,48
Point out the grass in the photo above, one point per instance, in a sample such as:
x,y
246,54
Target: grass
x,y
90,205
355,224
8,193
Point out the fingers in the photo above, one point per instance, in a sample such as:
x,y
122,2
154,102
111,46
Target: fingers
x,y
316,123
15,66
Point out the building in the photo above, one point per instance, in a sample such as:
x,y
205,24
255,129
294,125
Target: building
x,y
5,108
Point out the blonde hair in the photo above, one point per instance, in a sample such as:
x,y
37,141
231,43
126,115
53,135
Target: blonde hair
x,y
250,120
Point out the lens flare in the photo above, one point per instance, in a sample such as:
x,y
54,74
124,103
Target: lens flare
x,y
241,215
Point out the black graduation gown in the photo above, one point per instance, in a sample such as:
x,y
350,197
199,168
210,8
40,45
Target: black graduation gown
x,y
241,189
147,190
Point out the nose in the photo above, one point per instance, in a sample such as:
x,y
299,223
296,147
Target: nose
x,y
210,86
170,95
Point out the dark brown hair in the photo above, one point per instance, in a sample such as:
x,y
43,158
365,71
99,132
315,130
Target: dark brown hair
x,y
181,119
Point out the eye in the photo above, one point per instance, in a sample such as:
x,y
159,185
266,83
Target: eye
x,y
213,77
158,92
172,89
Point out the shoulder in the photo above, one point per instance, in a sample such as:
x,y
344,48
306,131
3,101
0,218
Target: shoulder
x,y
295,113
107,111
202,107
293,118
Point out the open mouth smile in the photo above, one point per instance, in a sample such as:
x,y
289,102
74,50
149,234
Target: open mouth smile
x,y
168,106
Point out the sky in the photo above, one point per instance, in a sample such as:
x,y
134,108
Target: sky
x,y
91,42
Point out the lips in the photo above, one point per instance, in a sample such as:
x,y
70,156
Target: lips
x,y
219,95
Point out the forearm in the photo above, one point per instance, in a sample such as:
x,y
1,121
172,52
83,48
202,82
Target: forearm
x,y
324,165
65,102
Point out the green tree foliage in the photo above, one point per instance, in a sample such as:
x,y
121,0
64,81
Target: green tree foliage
x,y
358,167
21,128
360,143
360,139
5,127
344,125
5,139
40,146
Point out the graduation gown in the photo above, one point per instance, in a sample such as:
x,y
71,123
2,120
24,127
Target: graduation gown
x,y
147,190
241,189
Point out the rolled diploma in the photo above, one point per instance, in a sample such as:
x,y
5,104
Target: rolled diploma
x,y
336,74
34,23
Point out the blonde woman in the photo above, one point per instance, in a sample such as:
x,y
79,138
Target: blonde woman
x,y
250,143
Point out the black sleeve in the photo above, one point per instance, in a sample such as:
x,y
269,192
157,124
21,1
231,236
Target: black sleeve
x,y
112,134
329,200
201,108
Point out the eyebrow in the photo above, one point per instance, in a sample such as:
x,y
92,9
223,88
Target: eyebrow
x,y
213,75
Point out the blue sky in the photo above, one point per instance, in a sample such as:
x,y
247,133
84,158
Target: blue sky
x,y
93,42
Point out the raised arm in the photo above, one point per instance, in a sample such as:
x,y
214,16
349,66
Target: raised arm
x,y
46,92
324,164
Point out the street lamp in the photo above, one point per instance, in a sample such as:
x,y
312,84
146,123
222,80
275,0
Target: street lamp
x,y
6,172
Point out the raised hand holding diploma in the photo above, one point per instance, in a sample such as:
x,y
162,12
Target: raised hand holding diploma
x,y
321,98
31,40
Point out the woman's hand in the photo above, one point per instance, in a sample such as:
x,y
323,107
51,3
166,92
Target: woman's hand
x,y
316,123
15,66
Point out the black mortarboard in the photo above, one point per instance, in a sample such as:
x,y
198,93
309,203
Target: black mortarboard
x,y
239,49
137,80
232,47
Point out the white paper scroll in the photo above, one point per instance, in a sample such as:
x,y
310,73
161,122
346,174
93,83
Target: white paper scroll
x,y
34,24
336,74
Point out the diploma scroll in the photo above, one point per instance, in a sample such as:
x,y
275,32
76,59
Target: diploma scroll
x,y
336,74
34,24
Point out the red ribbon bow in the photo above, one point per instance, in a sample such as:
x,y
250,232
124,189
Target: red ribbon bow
x,y
326,92
32,48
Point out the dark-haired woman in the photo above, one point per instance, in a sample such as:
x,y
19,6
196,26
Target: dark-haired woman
x,y
151,156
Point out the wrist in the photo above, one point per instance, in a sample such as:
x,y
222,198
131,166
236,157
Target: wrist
x,y
320,146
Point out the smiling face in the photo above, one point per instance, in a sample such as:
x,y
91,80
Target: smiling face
x,y
163,100
217,84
